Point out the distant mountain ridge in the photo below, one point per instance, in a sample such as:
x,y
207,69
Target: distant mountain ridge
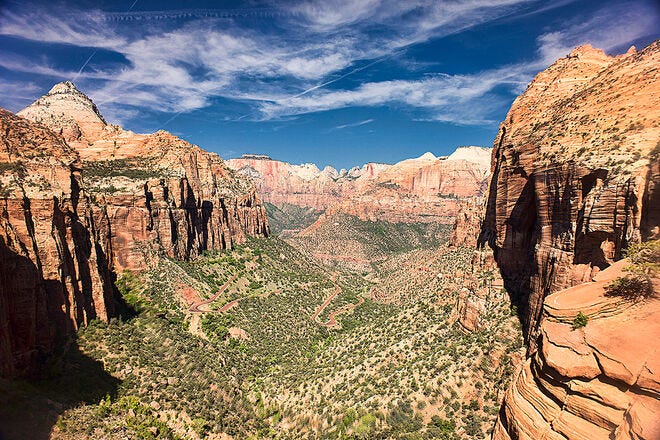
x,y
421,189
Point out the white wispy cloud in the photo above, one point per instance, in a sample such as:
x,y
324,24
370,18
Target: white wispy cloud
x,y
177,64
441,95
19,93
610,29
85,29
470,99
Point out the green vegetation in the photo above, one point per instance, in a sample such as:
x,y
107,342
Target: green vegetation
x,y
352,243
580,320
130,168
16,167
216,327
288,217
633,287
637,284
395,365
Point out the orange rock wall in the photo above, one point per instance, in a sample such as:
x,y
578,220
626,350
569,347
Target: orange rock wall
x,y
569,174
54,272
574,182
425,189
73,213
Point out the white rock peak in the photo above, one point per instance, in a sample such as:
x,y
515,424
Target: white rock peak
x,y
64,87
427,156
478,155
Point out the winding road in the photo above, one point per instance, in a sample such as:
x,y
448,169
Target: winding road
x,y
199,307
326,303
331,318
195,308
332,321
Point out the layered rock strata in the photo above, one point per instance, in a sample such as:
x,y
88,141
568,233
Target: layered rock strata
x,y
424,189
54,246
600,381
160,193
574,182
74,212
468,222
574,173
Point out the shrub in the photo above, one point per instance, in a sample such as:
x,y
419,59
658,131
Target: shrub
x,y
199,425
631,287
645,259
580,320
216,327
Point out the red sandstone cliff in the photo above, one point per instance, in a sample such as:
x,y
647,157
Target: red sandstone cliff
x,y
601,381
73,212
54,249
573,173
424,189
574,182
160,193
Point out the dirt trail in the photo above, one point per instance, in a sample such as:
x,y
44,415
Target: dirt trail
x,y
195,308
326,303
332,317
234,303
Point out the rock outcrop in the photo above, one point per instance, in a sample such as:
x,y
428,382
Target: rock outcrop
x,y
306,185
480,292
574,182
600,381
573,174
73,213
54,246
468,221
160,193
424,189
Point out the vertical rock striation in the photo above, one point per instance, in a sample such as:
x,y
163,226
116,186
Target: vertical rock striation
x,y
161,194
81,199
574,182
54,272
572,173
424,189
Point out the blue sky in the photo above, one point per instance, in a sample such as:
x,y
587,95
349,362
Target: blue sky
x,y
338,82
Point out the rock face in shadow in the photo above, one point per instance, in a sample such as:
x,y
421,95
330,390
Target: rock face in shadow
x,y
81,200
54,272
574,173
574,182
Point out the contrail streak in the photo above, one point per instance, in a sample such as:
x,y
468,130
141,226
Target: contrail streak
x,y
96,50
199,13
85,65
327,83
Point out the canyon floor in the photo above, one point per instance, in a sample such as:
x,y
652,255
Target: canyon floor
x,y
263,341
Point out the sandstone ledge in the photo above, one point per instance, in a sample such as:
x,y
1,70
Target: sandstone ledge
x,y
601,381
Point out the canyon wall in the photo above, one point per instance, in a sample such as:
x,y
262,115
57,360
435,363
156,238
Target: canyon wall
x,y
161,194
574,183
572,173
81,200
54,249
424,189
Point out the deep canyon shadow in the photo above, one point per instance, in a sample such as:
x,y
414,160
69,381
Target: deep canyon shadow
x,y
29,408
39,384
